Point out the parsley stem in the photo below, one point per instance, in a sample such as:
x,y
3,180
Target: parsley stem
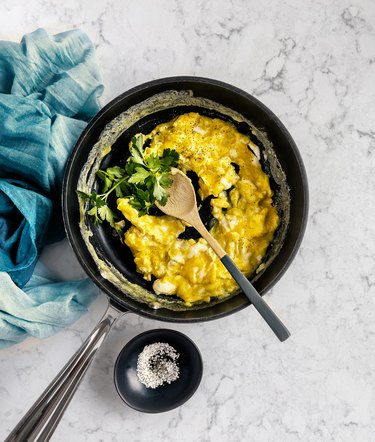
x,y
105,195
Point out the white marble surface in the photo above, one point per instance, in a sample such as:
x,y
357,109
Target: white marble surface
x,y
313,64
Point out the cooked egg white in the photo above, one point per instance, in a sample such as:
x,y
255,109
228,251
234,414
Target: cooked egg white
x,y
241,204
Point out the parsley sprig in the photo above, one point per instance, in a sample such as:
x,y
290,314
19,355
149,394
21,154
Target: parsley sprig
x,y
144,180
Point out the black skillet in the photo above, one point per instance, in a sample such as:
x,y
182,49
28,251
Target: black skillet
x,y
43,417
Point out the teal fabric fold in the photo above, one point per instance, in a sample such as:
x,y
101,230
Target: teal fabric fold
x,y
49,89
44,306
24,215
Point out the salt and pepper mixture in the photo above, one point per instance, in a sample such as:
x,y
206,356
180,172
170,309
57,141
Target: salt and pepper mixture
x,y
157,365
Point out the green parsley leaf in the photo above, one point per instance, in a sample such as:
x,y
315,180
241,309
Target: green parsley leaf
x,y
107,181
169,159
152,162
115,172
93,212
165,180
139,176
84,196
136,149
98,200
159,191
106,214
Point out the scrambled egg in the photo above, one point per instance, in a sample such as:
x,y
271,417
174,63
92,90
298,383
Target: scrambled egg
x,y
246,218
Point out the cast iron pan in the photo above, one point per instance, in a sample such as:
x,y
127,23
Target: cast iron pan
x,y
42,418
118,255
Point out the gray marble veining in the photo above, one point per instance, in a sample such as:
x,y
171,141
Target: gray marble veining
x,y
313,64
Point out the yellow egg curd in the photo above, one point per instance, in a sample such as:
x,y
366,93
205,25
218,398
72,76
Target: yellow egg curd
x,y
246,218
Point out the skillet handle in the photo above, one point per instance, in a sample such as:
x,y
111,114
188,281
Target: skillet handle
x,y
41,420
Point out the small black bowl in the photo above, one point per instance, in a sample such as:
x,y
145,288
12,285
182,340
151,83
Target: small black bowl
x,y
165,397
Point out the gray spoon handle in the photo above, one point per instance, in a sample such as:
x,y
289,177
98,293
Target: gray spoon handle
x,y
258,302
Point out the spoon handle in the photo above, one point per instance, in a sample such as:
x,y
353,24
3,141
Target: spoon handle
x,y
258,302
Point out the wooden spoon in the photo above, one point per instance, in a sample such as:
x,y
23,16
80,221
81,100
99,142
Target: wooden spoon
x,y
182,204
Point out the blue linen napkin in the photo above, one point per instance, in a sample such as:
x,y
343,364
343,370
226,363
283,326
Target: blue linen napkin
x,y
49,90
43,307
